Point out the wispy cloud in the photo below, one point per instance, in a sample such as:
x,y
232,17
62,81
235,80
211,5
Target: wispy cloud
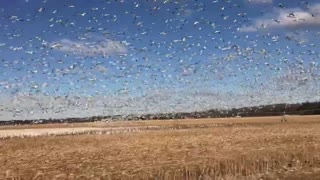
x,y
103,47
259,1
186,13
294,18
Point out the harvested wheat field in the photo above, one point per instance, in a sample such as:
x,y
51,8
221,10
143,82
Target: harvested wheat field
x,y
235,148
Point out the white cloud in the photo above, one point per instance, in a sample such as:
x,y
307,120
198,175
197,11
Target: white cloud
x,y
295,18
248,29
102,47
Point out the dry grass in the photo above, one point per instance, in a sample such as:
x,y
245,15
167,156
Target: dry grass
x,y
246,148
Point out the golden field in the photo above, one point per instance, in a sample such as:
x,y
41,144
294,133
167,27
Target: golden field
x,y
233,148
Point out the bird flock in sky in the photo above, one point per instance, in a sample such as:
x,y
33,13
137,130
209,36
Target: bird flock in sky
x,y
73,58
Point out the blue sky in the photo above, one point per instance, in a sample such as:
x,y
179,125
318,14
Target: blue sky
x,y
205,54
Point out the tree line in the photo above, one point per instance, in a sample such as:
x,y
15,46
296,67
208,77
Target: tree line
x,y
307,108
